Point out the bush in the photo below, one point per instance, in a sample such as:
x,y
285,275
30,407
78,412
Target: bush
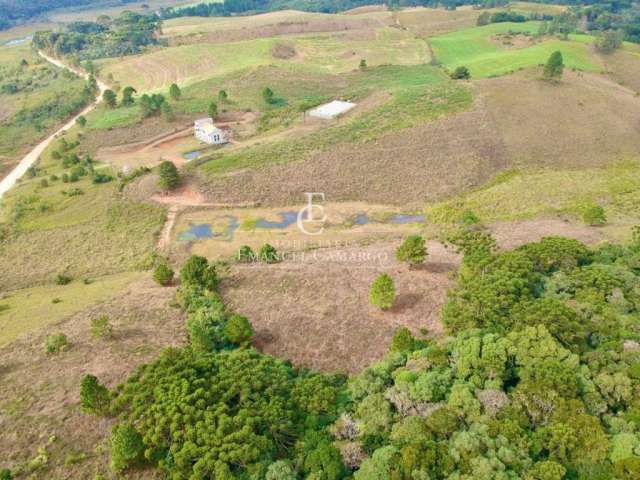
x,y
554,67
126,446
63,280
169,176
94,397
5,474
412,250
239,330
56,343
197,271
461,73
269,254
594,215
383,292
163,274
101,328
245,254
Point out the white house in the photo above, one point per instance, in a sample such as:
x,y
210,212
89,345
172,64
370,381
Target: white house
x,y
207,132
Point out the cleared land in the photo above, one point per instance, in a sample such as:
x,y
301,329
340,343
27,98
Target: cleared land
x,y
316,312
188,64
624,66
42,428
427,22
474,48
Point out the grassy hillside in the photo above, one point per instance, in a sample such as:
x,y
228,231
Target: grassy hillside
x,y
480,50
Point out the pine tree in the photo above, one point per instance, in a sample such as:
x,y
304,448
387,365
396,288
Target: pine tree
x,y
554,67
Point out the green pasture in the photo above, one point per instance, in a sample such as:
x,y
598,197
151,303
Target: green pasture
x,y
474,49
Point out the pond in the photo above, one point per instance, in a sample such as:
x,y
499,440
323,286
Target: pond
x,y
192,155
204,231
286,219
196,232
17,41
397,219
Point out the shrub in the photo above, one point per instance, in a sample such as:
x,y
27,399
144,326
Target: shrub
x,y
126,446
554,66
383,292
197,271
94,397
363,64
402,341
239,330
169,176
163,274
213,110
461,73
5,474
56,343
269,254
175,92
594,215
81,121
63,280
101,328
245,254
412,250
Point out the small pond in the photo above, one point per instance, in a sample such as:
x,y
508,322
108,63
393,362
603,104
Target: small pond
x,y
286,219
398,219
192,155
204,231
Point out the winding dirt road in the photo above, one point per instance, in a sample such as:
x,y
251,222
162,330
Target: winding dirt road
x,y
32,157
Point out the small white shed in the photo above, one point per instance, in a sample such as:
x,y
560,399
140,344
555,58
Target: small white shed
x,y
205,131
331,110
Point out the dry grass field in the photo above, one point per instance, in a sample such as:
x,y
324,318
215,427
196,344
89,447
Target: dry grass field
x,y
315,311
428,22
42,429
624,66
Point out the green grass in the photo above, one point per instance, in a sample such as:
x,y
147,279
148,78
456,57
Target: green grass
x,y
33,308
418,94
473,48
517,195
103,118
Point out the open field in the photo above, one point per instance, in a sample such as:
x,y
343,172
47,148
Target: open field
x,y
79,229
624,66
39,405
188,64
474,48
274,24
31,309
428,22
109,7
315,311
532,7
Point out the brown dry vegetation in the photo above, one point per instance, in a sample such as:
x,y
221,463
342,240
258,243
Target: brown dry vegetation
x,y
316,312
40,392
624,68
428,22
271,25
585,120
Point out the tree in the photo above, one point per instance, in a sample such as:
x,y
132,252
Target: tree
x,y
81,121
169,176
609,40
110,99
175,92
197,272
127,96
163,274
213,110
268,95
238,330
554,66
126,446
594,215
167,112
383,292
269,254
94,397
245,254
413,250
363,64
461,73
484,19
222,96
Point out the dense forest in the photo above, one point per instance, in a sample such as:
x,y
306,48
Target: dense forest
x,y
126,34
538,379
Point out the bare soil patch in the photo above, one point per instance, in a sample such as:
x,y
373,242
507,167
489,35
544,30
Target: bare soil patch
x,y
283,51
40,392
428,22
513,42
316,311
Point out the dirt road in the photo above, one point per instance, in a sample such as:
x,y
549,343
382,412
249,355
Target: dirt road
x,y
30,158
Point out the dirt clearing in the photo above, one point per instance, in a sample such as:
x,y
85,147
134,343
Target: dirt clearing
x,y
315,311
